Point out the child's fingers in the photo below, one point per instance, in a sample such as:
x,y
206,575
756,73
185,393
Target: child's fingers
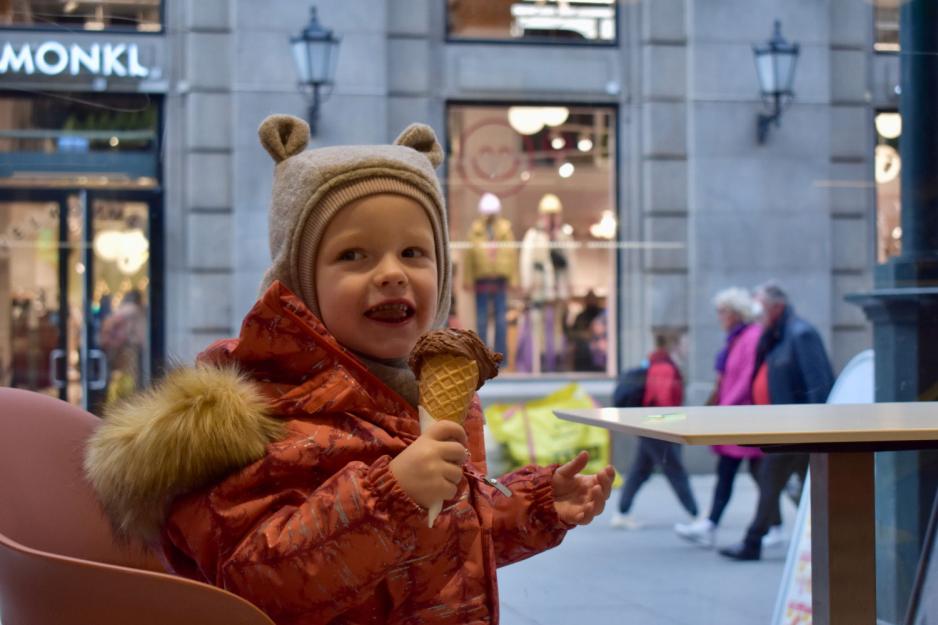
x,y
449,490
596,493
453,452
451,473
599,503
447,431
606,477
574,466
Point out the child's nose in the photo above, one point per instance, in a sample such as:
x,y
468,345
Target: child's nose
x,y
390,273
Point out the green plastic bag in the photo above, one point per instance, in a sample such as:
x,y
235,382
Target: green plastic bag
x,y
532,434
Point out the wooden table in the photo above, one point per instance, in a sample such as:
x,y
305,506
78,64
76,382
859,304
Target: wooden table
x,y
841,439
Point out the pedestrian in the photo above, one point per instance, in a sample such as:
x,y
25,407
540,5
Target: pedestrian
x,y
123,339
664,387
791,367
734,365
289,466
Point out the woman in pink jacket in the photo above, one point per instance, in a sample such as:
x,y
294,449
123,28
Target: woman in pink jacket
x,y
735,364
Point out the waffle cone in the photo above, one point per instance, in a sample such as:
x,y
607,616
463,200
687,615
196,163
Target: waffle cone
x,y
447,384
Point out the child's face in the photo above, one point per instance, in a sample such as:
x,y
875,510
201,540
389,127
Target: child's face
x,y
376,275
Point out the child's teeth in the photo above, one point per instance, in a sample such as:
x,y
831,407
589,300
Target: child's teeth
x,y
389,311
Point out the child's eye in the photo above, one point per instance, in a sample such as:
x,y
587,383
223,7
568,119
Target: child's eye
x,y
413,252
351,255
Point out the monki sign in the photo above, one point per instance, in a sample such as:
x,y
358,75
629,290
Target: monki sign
x,y
52,58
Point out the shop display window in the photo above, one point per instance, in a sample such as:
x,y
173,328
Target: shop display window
x,y
888,197
886,25
531,193
552,21
79,183
75,270
134,15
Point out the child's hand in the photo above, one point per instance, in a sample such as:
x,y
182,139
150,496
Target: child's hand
x,y
580,498
430,469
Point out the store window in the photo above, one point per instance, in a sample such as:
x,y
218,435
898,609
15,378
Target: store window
x,y
134,15
533,228
886,24
888,198
75,296
107,137
552,21
79,194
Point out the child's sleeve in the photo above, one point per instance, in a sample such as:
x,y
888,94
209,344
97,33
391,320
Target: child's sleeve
x,y
525,523
292,546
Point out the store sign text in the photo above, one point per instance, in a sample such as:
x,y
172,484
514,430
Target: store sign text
x,y
52,58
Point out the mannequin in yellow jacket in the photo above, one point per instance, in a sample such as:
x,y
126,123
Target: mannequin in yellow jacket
x,y
491,268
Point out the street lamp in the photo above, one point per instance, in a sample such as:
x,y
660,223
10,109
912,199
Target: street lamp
x,y
775,64
315,51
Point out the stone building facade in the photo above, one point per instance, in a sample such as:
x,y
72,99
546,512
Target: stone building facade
x,y
689,172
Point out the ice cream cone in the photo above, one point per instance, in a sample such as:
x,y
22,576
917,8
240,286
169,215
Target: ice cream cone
x,y
447,384
450,366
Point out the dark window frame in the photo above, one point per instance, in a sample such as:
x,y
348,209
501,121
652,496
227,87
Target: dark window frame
x,y
449,38
875,33
30,28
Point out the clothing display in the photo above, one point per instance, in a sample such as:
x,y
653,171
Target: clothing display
x,y
490,268
34,334
545,280
545,264
537,349
587,333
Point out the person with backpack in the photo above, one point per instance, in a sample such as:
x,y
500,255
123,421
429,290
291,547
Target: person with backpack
x,y
658,384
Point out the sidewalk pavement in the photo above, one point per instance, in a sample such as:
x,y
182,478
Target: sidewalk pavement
x,y
605,576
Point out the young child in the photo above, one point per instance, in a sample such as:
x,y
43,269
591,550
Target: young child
x,y
288,465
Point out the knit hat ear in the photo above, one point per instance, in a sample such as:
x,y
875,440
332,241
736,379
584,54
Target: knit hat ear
x,y
422,138
283,136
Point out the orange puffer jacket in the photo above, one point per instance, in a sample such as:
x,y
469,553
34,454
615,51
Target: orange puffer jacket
x,y
313,528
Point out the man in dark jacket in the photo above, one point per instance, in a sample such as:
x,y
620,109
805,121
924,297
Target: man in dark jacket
x,y
791,368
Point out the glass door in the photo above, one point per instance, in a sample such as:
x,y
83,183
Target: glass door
x,y
33,303
75,292
119,302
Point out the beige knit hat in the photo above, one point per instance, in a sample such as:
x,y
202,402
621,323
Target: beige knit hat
x,y
310,186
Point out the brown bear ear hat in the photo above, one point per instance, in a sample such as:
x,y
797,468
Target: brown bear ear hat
x,y
310,186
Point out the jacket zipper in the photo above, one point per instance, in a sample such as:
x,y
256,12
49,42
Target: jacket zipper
x,y
491,481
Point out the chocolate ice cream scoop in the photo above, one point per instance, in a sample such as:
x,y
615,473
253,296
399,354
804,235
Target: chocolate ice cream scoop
x,y
459,344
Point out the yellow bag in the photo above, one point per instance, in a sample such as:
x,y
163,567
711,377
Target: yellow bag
x,y
533,435
121,385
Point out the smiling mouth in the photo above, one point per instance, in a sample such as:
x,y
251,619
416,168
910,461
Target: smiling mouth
x,y
392,313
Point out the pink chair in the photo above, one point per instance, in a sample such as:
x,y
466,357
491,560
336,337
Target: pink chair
x,y
58,561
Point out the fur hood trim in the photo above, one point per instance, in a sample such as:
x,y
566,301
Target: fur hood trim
x,y
192,428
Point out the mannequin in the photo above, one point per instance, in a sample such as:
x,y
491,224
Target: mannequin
x,y
545,281
491,268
